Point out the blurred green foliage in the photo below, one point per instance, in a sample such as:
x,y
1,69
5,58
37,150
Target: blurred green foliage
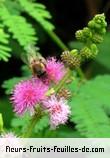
x,y
104,56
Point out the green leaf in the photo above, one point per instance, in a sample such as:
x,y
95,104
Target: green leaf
x,y
74,85
38,12
20,121
1,122
4,48
42,124
67,132
104,52
75,45
26,71
8,85
18,26
13,7
19,124
7,111
90,108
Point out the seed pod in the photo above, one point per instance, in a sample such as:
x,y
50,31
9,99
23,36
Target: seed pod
x,y
71,59
65,93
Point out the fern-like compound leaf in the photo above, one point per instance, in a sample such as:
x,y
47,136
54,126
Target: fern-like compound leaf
x,y
91,108
38,12
4,48
21,30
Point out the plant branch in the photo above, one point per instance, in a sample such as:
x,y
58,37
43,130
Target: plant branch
x,y
32,124
62,82
61,45
57,40
81,74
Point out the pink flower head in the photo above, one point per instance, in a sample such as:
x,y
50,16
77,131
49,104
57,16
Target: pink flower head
x,y
11,140
55,69
8,135
58,109
27,94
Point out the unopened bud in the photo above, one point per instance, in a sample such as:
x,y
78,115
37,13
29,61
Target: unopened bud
x,y
71,59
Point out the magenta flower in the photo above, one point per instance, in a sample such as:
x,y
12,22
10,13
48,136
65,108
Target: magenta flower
x,y
55,69
58,109
27,94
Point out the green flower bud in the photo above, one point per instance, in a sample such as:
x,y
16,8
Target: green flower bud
x,y
94,50
95,26
100,19
71,59
79,35
97,38
84,35
87,33
98,24
102,31
86,52
91,24
74,52
89,52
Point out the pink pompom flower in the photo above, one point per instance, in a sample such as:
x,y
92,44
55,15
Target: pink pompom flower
x,y
10,140
8,135
58,109
55,69
27,94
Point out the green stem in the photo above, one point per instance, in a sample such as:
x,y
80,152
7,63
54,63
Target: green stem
x,y
81,74
32,124
57,40
62,82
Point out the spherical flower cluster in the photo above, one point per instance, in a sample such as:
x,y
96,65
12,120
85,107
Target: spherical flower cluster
x,y
8,135
58,109
27,94
55,69
10,140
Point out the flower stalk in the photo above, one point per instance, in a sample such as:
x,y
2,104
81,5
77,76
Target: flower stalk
x,y
35,118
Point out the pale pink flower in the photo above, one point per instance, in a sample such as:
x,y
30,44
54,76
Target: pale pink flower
x,y
10,140
55,69
8,135
58,109
27,94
